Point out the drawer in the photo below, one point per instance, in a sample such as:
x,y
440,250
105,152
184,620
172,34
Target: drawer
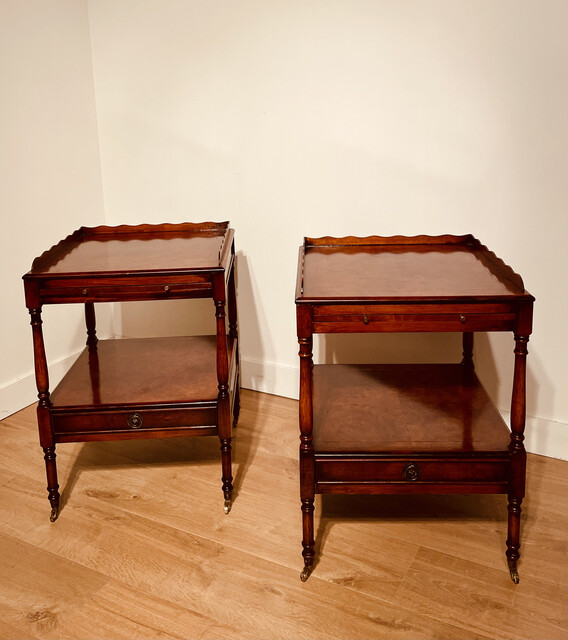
x,y
132,421
121,289
391,318
409,471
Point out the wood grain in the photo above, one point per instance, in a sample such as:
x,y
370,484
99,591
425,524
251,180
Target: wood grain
x,y
447,398
143,549
117,249
141,371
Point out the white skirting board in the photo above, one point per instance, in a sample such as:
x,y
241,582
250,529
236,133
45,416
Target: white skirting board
x,y
542,436
21,392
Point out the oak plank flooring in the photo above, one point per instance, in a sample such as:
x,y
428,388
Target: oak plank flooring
x,y
142,548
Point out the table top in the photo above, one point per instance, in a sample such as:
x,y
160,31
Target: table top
x,y
390,269
128,249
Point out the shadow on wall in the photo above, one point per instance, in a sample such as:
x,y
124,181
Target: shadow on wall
x,y
253,348
72,317
493,358
389,348
495,364
165,318
197,317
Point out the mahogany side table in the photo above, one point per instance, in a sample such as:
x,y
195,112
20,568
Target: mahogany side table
x,y
127,389
404,428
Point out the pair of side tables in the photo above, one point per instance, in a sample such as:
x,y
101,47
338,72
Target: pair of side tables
x,y
374,429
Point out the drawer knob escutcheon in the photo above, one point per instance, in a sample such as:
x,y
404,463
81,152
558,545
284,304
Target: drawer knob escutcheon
x,y
135,421
411,472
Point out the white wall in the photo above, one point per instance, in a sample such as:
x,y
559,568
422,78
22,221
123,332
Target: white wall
x,y
295,118
50,181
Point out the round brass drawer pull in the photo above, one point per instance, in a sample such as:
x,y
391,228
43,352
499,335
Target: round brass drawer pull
x,y
462,319
411,472
135,421
366,319
85,292
166,288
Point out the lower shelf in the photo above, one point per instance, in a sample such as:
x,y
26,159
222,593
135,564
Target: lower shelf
x,y
404,409
406,429
150,387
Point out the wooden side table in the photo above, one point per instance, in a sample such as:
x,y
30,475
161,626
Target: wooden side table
x,y
139,388
408,429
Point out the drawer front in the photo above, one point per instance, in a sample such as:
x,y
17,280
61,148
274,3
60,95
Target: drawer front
x,y
392,318
122,289
133,420
410,471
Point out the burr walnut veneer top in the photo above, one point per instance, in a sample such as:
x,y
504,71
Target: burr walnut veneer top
x,y
141,248
377,268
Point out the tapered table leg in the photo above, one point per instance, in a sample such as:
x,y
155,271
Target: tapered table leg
x,y
43,414
307,460
224,409
52,484
518,456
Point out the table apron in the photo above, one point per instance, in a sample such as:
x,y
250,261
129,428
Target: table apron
x,y
403,308
374,318
378,323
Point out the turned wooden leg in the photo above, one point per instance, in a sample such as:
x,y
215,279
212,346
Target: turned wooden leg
x,y
513,536
307,459
224,418
223,399
227,473
91,322
52,484
518,456
46,439
467,342
308,542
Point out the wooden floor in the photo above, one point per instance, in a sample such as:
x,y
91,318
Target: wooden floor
x,y
142,548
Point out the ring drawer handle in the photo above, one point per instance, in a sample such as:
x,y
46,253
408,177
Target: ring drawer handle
x,y
411,472
135,421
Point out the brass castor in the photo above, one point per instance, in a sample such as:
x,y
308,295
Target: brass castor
x,y
306,572
513,570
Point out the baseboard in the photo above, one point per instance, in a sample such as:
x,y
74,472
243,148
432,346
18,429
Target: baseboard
x,y
270,378
542,436
21,392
